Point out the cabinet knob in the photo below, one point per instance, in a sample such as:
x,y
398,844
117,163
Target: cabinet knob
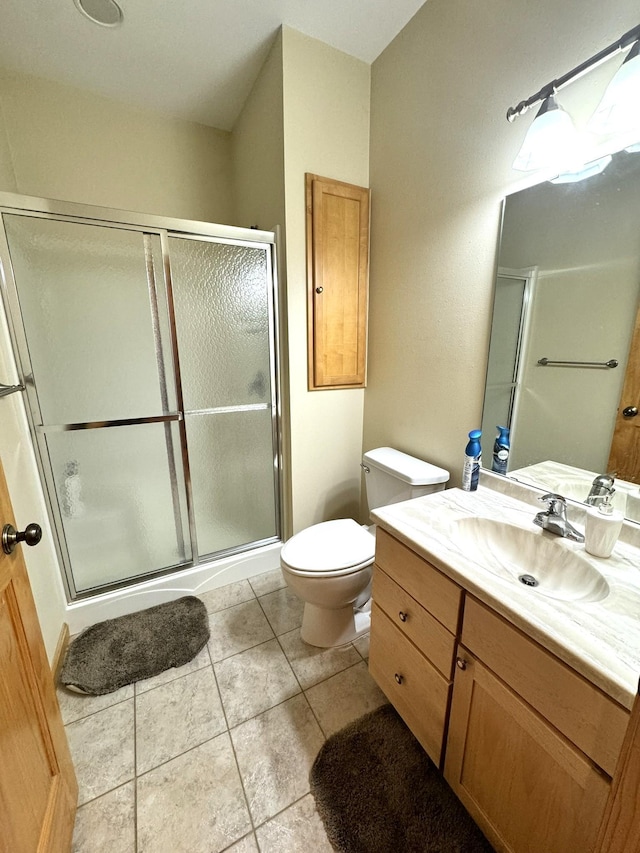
x,y
399,678
402,616
319,289
461,663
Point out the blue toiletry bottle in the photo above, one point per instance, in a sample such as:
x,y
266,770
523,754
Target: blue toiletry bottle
x,y
501,451
472,459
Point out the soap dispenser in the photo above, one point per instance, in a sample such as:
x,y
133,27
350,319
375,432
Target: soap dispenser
x,y
602,528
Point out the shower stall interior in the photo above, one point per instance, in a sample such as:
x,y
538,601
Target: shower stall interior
x,y
147,350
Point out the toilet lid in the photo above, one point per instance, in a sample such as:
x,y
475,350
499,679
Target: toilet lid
x,y
329,546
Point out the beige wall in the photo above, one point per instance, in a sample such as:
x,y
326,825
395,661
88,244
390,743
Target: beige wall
x,y
7,174
69,144
257,145
441,154
326,131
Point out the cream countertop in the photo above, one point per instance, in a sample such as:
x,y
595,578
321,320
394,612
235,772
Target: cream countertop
x,y
600,640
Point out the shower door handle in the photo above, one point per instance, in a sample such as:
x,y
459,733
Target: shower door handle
x,y
31,535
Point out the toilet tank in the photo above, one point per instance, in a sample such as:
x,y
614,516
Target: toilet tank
x,y
393,476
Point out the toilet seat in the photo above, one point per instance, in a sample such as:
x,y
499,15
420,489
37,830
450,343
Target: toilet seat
x,y
329,549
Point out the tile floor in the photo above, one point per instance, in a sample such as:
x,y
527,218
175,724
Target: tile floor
x,y
215,756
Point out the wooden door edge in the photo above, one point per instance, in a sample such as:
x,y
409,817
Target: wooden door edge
x,y
60,652
620,825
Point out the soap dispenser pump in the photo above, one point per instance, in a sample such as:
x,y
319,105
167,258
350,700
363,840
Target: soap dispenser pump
x,y
602,528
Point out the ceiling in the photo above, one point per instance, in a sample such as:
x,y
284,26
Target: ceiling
x,y
195,59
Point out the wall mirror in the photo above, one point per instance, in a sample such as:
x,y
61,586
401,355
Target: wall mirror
x,y
567,291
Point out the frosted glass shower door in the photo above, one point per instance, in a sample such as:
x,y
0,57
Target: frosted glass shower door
x,y
95,349
504,354
222,294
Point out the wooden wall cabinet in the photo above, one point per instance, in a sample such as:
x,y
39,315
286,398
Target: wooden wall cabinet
x,y
337,283
531,745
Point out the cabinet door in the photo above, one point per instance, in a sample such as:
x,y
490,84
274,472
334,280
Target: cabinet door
x,y
528,788
337,281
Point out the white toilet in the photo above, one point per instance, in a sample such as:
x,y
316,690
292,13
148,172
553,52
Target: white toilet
x,y
330,565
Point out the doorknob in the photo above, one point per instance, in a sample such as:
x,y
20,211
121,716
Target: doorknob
x,y
31,535
630,412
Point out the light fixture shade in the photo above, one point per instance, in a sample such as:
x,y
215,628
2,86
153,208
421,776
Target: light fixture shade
x,y
551,142
619,109
595,167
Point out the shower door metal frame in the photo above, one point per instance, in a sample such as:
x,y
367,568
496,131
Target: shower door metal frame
x,y
162,227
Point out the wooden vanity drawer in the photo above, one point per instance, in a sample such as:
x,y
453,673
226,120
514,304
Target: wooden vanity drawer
x,y
583,713
423,629
422,696
435,591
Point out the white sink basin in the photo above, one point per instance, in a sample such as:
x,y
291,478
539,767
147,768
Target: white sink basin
x,y
535,560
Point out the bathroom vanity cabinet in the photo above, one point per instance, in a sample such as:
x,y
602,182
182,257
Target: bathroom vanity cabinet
x,y
527,744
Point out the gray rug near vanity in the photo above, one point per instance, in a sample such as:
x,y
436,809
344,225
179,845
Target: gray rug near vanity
x,y
377,792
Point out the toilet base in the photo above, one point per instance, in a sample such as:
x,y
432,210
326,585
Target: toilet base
x,y
328,628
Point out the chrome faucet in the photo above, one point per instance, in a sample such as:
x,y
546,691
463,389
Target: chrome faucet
x,y
554,518
600,488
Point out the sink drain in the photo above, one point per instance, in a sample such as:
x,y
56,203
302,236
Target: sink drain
x,y
528,580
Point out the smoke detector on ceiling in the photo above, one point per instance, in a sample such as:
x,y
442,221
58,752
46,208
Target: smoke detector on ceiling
x,y
106,13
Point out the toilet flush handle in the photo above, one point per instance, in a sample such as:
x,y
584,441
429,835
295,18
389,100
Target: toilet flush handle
x,y
365,468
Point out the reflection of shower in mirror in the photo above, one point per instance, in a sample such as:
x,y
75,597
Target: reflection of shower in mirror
x,y
567,290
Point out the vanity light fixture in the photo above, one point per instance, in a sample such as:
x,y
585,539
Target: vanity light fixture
x,y
552,140
620,108
586,171
106,13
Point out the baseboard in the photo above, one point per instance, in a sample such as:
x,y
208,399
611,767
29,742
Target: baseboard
x,y
61,650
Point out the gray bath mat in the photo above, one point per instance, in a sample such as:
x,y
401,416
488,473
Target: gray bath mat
x,y
377,792
119,651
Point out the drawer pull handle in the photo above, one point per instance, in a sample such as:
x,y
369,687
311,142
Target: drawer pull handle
x,y
402,616
461,663
399,678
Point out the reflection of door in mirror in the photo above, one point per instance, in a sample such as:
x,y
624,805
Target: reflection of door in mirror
x,y
624,457
513,297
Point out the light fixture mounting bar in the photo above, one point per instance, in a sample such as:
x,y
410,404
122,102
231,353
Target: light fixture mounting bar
x,y
622,43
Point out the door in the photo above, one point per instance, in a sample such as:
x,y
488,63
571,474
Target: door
x,y
224,332
91,319
148,358
528,788
38,789
624,456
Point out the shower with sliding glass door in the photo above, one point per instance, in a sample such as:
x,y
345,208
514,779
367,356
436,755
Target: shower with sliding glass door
x,y
147,349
